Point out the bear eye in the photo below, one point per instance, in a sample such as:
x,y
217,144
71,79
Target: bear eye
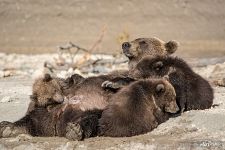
x,y
142,43
158,66
160,88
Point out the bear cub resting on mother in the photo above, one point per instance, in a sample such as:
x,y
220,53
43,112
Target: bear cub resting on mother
x,y
138,108
50,113
193,92
135,109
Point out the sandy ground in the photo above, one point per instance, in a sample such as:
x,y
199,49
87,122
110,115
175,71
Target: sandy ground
x,y
203,129
31,26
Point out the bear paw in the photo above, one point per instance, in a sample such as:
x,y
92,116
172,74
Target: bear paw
x,y
111,85
74,131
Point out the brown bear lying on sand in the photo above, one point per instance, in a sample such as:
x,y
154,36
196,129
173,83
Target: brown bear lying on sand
x,y
88,92
147,101
50,111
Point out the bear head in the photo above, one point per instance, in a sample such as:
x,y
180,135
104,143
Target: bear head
x,y
141,47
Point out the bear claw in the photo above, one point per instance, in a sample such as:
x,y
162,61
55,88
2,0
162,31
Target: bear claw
x,y
109,84
74,131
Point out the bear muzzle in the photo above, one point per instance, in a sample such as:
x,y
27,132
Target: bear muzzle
x,y
172,107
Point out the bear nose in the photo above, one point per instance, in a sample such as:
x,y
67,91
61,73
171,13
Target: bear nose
x,y
126,45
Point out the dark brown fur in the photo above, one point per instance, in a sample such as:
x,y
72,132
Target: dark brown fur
x,y
88,92
49,112
90,89
193,91
42,122
138,108
137,49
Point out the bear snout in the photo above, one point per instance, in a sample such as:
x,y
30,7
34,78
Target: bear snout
x,y
58,98
172,107
126,45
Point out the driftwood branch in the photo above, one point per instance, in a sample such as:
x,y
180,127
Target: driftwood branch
x,y
85,61
94,46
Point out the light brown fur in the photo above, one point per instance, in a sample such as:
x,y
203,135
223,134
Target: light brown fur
x,y
46,91
138,48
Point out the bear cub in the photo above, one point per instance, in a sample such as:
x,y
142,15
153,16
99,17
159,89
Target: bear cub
x,y
138,108
49,112
193,91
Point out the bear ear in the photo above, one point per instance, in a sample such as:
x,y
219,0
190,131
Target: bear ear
x,y
171,46
158,65
166,77
47,77
69,81
160,88
77,78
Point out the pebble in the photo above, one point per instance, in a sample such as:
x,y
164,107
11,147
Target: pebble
x,y
6,99
7,73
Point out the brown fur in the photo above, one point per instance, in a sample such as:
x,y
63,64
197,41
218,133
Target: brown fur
x,y
87,92
139,48
47,91
47,109
138,108
90,95
42,122
54,89
193,91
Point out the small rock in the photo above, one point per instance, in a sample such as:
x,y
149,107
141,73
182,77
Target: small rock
x,y
7,132
62,74
24,137
7,73
220,82
6,99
